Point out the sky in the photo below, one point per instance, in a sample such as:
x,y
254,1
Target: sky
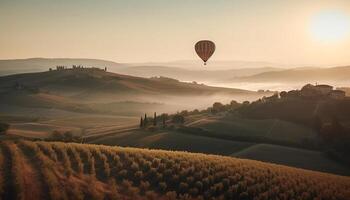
x,y
305,32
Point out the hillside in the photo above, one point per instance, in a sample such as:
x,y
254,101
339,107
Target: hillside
x,y
16,66
75,87
228,134
101,81
293,157
41,170
64,99
333,74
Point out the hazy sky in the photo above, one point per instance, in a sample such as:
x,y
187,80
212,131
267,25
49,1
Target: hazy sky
x,y
282,31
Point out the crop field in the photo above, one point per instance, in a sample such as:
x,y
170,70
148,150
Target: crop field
x,y
53,170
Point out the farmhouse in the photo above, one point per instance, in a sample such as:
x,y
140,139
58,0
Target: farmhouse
x,y
337,94
315,91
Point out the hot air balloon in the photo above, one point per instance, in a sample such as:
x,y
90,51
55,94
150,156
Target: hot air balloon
x,y
205,49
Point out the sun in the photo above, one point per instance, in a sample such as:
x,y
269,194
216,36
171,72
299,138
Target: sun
x,y
330,26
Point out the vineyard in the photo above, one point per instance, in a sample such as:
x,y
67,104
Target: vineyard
x,y
53,170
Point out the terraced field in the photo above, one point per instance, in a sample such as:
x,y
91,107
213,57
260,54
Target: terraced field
x,y
43,170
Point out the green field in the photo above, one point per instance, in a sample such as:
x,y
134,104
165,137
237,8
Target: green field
x,y
274,129
171,140
295,157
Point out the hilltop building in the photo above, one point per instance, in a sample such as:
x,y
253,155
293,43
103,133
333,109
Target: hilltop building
x,y
337,94
314,91
77,67
323,89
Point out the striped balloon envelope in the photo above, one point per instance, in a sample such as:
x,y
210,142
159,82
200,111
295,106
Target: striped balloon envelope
x,y
205,49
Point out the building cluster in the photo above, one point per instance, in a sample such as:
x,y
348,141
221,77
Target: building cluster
x,y
315,91
76,67
310,90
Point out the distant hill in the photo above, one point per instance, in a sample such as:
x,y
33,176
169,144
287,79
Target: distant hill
x,y
334,74
215,64
86,81
16,66
181,70
52,170
204,74
74,89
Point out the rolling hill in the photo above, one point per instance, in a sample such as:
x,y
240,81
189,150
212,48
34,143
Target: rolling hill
x,y
308,75
79,94
181,70
200,75
228,134
98,86
42,170
16,66
294,157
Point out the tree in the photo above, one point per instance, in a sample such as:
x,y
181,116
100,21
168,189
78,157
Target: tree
x,y
3,128
155,119
145,121
217,107
68,136
141,122
179,119
163,118
245,103
184,113
56,136
234,104
283,94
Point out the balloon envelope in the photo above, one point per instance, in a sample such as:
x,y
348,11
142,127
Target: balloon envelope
x,y
205,49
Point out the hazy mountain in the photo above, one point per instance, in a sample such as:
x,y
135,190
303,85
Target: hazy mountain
x,y
337,74
203,74
214,65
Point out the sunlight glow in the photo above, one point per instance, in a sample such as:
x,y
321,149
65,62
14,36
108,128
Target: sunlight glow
x,y
330,26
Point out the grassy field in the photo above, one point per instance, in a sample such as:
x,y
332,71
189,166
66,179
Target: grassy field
x,y
78,124
43,170
295,157
171,140
232,125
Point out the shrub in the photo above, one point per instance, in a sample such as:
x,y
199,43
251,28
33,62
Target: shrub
x,y
3,128
162,186
183,187
178,119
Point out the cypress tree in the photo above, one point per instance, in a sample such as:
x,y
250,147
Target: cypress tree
x,y
163,121
141,122
155,119
145,120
